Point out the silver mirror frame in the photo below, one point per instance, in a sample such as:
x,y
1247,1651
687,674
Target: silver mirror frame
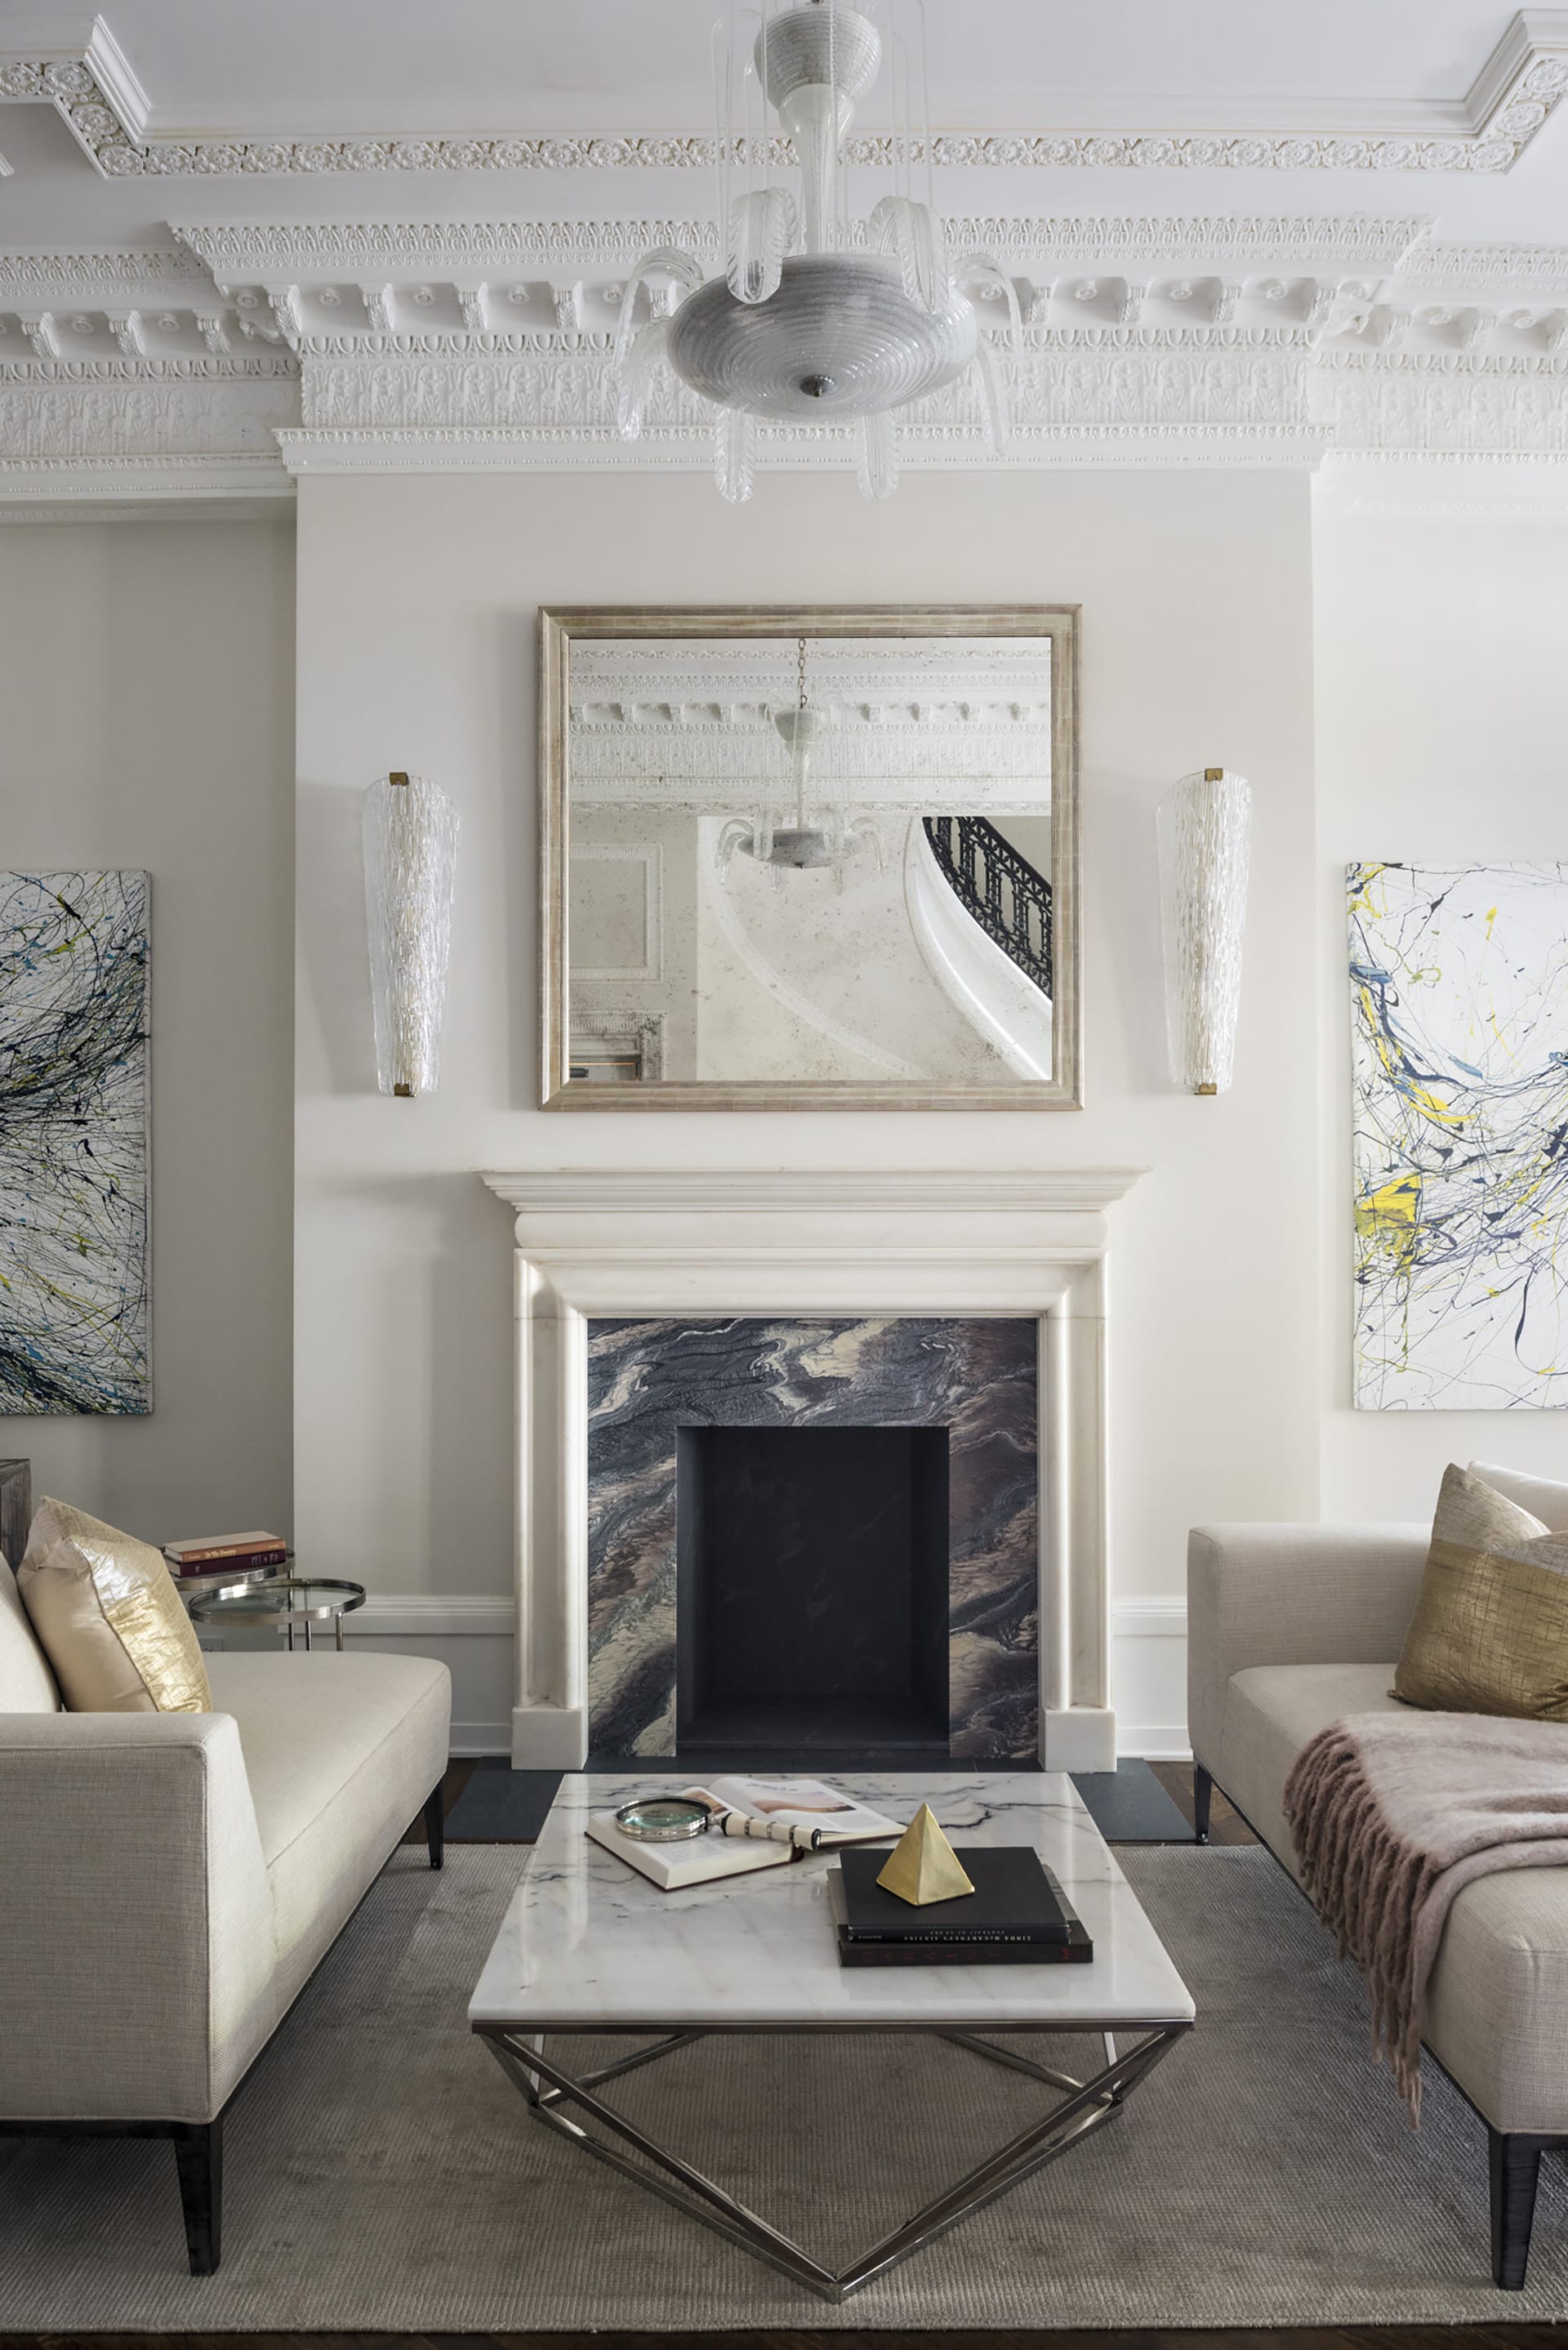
x,y
557,628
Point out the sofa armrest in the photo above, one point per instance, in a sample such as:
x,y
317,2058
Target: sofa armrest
x,y
1292,1595
136,1930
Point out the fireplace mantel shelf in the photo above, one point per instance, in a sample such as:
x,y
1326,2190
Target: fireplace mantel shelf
x,y
936,1191
650,1243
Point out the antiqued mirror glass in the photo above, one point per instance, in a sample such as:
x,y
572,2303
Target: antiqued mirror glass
x,y
810,858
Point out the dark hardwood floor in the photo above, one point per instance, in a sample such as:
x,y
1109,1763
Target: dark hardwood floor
x,y
1226,1827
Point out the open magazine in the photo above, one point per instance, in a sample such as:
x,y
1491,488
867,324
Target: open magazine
x,y
758,1822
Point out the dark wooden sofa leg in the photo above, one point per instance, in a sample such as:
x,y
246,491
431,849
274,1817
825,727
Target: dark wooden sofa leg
x,y
198,2154
1202,1789
1515,2169
435,1827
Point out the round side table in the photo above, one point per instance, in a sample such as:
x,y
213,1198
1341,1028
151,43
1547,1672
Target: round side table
x,y
287,1600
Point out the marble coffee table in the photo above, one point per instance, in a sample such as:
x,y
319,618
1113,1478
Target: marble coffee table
x,y
589,1947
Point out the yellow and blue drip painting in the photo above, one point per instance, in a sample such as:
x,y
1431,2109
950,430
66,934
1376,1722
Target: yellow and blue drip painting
x,y
1459,979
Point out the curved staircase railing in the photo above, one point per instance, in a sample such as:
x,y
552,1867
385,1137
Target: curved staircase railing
x,y
998,889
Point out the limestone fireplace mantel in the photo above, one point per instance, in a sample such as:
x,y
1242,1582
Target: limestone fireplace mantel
x,y
610,1243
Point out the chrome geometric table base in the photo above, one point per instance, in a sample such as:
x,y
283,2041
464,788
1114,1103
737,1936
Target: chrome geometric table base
x,y
549,2089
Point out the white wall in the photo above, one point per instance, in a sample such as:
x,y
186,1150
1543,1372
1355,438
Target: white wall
x,y
416,612
1440,657
147,689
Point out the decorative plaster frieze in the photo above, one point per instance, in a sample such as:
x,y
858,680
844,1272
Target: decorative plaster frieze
x,y
125,427
239,252
1512,98
1433,403
86,281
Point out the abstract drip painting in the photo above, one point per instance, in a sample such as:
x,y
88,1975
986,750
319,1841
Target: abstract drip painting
x,y
74,1269
1459,1048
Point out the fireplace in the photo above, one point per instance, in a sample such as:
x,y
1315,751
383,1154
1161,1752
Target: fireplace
x,y
858,1498
812,1591
604,1253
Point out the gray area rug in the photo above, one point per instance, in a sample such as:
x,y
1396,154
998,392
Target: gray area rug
x,y
383,2175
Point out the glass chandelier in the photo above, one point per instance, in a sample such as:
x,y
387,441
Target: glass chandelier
x,y
819,318
829,836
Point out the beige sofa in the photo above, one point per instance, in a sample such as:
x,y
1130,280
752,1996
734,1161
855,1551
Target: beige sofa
x,y
1289,1629
169,1881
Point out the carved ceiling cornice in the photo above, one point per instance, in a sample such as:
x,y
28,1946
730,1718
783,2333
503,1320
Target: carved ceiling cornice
x,y
1509,101
288,348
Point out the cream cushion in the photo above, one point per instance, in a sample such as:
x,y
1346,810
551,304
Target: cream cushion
x,y
1270,1712
341,1753
27,1684
1539,1495
108,1618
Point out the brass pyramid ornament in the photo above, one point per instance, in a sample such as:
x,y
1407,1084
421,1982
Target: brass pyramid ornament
x,y
922,1865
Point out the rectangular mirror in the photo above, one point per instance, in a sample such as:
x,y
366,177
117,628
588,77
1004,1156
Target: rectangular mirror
x,y
802,858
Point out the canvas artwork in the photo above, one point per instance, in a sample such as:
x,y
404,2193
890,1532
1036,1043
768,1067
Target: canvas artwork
x,y
73,1143
1460,994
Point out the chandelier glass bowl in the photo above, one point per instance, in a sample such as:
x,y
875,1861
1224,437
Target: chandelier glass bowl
x,y
820,317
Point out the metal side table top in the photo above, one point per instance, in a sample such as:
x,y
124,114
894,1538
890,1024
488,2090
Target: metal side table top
x,y
286,1600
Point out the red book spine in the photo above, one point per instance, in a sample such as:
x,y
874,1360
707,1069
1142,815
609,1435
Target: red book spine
x,y
229,1562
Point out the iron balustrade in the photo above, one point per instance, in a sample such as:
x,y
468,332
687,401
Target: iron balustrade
x,y
998,889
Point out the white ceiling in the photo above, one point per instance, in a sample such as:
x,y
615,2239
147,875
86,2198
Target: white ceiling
x,y
294,66
300,70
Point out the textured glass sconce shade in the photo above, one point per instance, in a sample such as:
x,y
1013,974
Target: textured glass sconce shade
x,y
1204,826
411,862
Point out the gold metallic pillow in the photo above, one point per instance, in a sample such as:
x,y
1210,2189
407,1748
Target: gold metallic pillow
x,y
1490,1634
108,1618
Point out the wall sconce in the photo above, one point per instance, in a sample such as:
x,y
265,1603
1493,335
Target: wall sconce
x,y
1204,826
411,862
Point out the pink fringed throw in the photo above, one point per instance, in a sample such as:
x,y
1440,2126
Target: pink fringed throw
x,y
1393,1814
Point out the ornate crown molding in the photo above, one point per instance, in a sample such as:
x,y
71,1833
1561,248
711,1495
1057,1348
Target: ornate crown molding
x,y
129,428
282,349
1510,99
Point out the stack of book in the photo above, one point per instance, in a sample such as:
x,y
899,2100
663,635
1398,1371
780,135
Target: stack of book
x,y
211,1563
1016,1916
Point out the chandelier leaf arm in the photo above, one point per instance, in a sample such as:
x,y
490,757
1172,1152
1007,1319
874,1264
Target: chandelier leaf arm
x,y
734,438
648,351
664,261
977,269
878,457
912,234
994,398
763,229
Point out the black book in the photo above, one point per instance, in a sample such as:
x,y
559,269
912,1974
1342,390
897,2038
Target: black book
x,y
1015,1904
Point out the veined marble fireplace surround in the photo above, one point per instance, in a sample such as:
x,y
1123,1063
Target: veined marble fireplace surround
x,y
612,1243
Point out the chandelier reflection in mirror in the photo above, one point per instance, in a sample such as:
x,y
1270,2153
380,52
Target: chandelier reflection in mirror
x,y
820,317
822,834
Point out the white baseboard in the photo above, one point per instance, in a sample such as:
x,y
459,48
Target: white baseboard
x,y
472,1635
469,1738
1148,1678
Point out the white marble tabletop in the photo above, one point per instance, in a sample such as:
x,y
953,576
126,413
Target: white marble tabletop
x,y
587,1944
